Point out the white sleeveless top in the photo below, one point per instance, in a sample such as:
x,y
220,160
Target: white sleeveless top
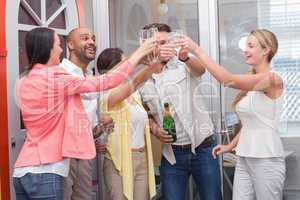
x,y
260,117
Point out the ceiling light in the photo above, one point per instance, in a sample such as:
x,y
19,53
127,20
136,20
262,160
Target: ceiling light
x,y
163,7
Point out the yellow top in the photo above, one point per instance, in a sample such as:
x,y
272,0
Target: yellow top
x,y
119,144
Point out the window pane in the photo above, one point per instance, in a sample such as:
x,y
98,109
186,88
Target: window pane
x,y
25,17
36,6
51,7
281,17
127,17
59,22
23,61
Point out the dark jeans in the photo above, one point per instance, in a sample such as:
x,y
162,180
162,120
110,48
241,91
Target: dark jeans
x,y
39,187
204,169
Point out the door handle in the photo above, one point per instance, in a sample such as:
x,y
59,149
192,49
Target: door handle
x,y
13,142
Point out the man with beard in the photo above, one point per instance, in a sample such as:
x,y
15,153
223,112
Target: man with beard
x,y
82,49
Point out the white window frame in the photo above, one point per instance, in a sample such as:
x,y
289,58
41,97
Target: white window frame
x,y
101,24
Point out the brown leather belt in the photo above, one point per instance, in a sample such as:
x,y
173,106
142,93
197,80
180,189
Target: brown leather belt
x,y
207,142
140,150
185,146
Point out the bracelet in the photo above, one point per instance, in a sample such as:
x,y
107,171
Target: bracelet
x,y
163,62
185,60
97,131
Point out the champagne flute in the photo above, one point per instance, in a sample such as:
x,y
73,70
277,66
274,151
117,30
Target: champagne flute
x,y
152,33
143,36
174,38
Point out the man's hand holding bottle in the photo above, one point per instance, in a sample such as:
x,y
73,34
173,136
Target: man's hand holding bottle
x,y
160,133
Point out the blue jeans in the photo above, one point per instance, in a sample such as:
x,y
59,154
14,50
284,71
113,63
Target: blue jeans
x,y
39,187
204,169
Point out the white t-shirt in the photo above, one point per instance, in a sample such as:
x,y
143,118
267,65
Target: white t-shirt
x,y
138,117
60,168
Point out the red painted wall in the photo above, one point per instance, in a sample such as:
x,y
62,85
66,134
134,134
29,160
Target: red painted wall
x,y
4,161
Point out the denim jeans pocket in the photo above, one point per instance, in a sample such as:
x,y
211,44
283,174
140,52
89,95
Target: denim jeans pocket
x,y
43,186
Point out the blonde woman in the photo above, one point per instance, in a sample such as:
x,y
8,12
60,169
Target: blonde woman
x,y
128,165
260,168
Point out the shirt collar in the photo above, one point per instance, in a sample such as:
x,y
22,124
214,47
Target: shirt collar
x,y
173,63
72,68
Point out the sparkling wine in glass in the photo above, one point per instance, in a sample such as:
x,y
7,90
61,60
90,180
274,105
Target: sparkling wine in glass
x,y
143,36
152,33
174,37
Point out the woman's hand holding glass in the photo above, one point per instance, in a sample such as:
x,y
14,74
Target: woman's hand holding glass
x,y
188,44
147,48
146,36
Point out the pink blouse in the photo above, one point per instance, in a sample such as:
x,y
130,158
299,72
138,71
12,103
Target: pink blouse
x,y
57,125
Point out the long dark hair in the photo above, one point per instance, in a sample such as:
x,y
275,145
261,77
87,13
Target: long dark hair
x,y
109,58
38,44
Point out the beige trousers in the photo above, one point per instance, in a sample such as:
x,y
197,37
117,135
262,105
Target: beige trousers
x,y
113,180
259,179
78,184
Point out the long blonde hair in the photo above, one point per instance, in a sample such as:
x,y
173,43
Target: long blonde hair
x,y
266,39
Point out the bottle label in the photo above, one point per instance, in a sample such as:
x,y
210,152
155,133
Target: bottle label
x,y
169,126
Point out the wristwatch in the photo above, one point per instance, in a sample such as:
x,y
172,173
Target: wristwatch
x,y
185,60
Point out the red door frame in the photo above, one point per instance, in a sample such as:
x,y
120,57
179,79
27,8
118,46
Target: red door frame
x,y
4,151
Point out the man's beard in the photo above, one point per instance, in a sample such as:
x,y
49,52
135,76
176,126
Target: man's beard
x,y
82,56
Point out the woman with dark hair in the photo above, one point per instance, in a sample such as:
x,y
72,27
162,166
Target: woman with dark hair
x,y
109,58
128,164
57,126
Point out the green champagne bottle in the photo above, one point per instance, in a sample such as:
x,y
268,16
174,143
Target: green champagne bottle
x,y
168,122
